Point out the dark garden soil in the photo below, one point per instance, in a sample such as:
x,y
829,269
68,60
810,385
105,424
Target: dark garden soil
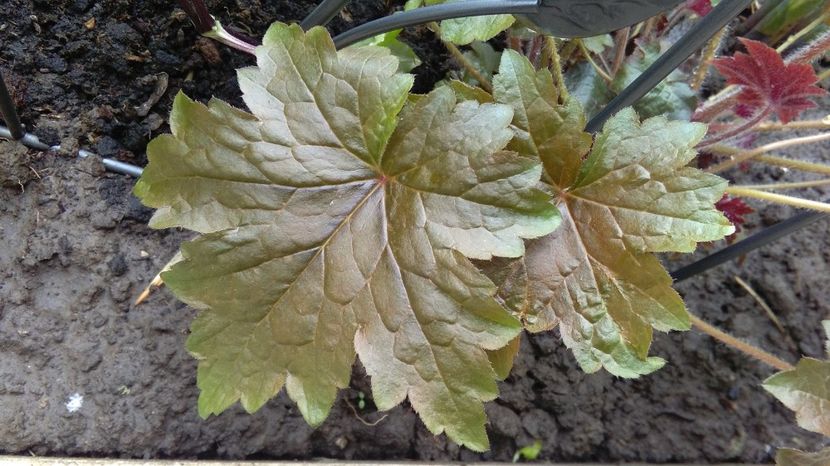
x,y
76,251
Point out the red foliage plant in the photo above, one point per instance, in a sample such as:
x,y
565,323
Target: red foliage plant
x,y
734,209
768,83
701,7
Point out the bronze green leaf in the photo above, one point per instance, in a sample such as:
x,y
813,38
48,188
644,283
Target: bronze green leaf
x,y
334,223
628,195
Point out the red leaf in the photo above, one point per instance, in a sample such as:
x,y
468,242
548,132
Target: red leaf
x,y
701,7
769,82
734,209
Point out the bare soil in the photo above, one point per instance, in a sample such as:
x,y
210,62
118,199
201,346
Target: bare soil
x,y
76,251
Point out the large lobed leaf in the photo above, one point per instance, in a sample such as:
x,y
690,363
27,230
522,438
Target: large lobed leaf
x,y
806,390
633,195
333,225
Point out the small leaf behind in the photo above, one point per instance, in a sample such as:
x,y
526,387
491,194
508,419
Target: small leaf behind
x,y
630,196
805,390
462,31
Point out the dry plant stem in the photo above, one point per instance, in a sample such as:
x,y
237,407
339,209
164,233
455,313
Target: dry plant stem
x,y
648,27
155,283
795,125
535,53
793,185
740,345
717,104
593,63
360,418
556,65
568,49
737,130
824,75
758,299
462,60
469,67
801,165
744,156
778,198
219,34
706,59
794,164
622,43
605,65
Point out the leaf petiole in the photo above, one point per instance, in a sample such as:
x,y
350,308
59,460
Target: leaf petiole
x,y
210,27
740,345
737,130
793,185
462,60
556,67
744,156
824,123
220,34
587,54
778,198
794,164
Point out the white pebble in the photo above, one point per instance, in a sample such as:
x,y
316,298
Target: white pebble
x,y
75,402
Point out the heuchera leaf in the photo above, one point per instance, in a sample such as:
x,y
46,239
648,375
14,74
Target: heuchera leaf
x,y
806,390
484,58
791,457
633,195
598,44
502,359
735,209
588,87
462,31
767,82
407,59
672,98
333,225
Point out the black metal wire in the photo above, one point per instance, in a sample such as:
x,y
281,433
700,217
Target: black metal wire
x,y
115,166
325,11
435,13
9,112
691,42
760,239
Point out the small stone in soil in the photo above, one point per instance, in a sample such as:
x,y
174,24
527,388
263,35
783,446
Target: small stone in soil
x,y
75,402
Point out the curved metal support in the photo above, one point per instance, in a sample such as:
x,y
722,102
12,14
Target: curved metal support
x,y
115,166
691,42
762,238
325,11
560,18
9,112
435,13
